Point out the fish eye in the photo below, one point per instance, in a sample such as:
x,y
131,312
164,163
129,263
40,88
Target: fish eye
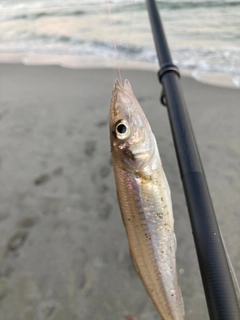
x,y
121,130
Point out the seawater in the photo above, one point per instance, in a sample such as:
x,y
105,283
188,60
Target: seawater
x,y
203,36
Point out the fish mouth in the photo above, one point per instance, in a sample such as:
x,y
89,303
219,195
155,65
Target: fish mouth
x,y
121,100
124,88
117,87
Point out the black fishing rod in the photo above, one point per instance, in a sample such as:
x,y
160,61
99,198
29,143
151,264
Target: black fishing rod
x,y
216,277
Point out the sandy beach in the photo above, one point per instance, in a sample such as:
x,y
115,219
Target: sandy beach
x,y
63,248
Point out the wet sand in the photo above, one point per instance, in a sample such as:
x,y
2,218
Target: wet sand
x,y
63,248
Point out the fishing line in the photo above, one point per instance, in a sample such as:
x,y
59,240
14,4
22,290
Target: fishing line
x,y
114,40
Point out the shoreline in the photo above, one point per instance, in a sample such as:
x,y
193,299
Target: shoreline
x,y
86,62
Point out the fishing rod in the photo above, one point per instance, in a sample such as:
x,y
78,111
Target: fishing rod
x,y
216,277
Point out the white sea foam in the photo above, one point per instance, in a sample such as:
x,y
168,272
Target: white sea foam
x,y
236,81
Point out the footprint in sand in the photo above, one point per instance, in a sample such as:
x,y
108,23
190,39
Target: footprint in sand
x,y
17,241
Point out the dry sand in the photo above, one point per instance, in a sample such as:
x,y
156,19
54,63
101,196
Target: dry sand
x,y
63,248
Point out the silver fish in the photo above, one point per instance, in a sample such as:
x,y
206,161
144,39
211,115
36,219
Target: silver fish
x,y
145,201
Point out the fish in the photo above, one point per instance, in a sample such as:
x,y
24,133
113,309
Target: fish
x,y
145,201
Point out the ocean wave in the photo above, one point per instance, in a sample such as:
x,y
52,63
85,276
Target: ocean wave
x,y
12,6
212,59
87,31
209,60
119,4
173,5
43,9
44,14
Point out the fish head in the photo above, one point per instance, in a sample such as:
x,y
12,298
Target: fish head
x,y
130,133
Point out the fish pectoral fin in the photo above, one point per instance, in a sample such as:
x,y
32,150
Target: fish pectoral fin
x,y
134,263
175,242
182,302
121,210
